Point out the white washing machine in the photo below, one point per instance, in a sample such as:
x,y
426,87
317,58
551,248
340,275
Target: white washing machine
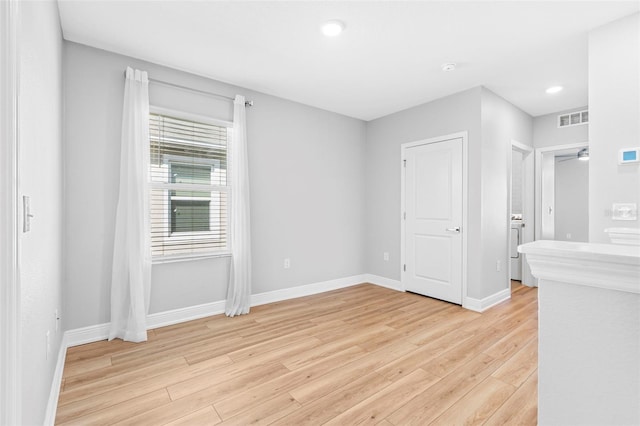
x,y
516,258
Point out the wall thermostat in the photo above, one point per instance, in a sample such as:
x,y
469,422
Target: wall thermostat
x,y
629,155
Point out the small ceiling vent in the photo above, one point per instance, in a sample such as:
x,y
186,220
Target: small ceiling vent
x,y
573,118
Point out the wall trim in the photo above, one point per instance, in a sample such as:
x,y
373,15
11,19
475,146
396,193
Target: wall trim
x,y
305,290
481,305
175,316
383,282
10,342
54,393
95,333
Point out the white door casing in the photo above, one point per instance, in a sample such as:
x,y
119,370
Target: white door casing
x,y
433,218
10,366
528,206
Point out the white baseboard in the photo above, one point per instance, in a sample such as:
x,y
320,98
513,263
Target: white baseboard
x,y
90,334
305,290
54,393
481,305
95,333
175,316
383,282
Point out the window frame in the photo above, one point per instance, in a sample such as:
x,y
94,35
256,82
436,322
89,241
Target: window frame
x,y
216,253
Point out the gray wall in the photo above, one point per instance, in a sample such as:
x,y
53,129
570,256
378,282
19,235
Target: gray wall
x,y
572,200
455,113
614,91
547,133
516,182
491,123
307,179
502,122
40,177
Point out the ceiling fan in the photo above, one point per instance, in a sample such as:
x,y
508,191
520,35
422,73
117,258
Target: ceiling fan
x,y
582,155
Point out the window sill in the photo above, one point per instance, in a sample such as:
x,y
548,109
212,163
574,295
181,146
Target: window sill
x,y
190,257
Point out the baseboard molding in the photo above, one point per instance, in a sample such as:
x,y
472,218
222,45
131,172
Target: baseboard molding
x,y
95,333
176,316
481,305
305,290
54,393
383,282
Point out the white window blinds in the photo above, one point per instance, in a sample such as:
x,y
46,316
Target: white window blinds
x,y
189,192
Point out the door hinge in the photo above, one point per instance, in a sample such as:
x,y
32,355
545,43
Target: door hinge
x,y
404,267
404,215
405,163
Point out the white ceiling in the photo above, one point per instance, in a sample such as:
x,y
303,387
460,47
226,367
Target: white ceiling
x,y
388,58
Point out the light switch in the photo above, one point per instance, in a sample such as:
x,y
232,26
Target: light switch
x,y
624,211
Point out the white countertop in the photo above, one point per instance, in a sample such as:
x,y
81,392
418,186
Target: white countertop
x,y
582,250
609,266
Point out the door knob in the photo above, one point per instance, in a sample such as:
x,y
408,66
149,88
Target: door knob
x,y
456,229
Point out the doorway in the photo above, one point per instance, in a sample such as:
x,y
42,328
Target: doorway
x,y
521,210
562,179
434,217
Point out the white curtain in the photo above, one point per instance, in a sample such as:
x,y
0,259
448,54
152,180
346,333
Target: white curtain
x,y
239,288
131,272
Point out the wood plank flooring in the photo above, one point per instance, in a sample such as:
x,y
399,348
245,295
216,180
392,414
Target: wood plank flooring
x,y
360,355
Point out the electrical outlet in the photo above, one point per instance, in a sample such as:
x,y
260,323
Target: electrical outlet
x,y
498,266
287,263
385,256
568,236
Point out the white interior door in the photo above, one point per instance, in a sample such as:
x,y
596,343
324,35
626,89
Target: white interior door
x,y
433,224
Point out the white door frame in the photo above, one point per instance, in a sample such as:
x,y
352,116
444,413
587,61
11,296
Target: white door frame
x,y
528,204
540,152
465,197
10,389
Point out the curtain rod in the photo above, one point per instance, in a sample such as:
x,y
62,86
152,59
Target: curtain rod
x,y
191,89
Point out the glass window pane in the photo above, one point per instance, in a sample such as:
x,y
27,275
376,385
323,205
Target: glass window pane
x,y
189,215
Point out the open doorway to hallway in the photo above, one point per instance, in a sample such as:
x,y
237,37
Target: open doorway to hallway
x,y
563,193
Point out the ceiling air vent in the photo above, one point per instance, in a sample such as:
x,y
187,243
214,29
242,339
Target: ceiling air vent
x,y
573,118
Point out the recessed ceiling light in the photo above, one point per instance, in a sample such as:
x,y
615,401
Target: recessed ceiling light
x,y
332,28
554,89
448,67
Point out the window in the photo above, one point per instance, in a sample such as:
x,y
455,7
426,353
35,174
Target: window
x,y
189,192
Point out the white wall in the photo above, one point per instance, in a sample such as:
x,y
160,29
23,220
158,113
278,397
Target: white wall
x,y
588,369
307,180
455,113
491,123
614,99
547,133
502,122
571,200
516,182
40,177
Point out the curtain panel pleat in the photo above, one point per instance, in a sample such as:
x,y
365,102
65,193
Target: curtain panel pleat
x,y
131,270
239,287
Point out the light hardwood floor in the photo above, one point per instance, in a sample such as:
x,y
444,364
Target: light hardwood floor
x,y
363,354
